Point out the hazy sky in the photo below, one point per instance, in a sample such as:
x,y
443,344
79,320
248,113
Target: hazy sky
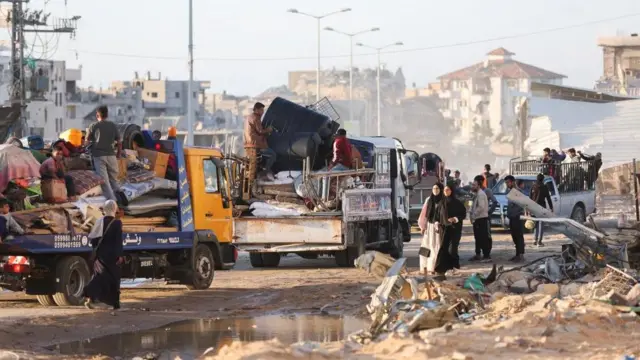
x,y
117,37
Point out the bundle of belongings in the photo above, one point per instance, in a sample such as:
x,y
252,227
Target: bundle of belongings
x,y
62,195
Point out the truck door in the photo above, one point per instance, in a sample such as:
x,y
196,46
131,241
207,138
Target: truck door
x,y
212,205
550,184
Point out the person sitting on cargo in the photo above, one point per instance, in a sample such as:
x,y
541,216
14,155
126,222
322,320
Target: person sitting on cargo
x,y
342,155
53,169
255,136
8,224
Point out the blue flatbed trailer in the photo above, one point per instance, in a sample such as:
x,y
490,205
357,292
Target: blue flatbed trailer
x,y
56,267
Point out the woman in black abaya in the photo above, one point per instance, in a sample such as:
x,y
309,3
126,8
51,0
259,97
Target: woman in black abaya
x,y
454,213
106,239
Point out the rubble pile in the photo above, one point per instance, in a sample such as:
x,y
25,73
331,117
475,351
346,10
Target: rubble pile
x,y
549,308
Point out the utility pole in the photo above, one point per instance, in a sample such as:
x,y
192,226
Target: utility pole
x,y
190,85
379,99
29,21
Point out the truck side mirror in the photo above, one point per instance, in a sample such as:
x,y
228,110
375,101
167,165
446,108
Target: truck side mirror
x,y
412,167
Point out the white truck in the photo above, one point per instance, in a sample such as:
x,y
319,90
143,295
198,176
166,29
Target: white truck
x,y
571,186
372,216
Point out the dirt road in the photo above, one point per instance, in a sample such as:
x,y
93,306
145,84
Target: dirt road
x,y
297,286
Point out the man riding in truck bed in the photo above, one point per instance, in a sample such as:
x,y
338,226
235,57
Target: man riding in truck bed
x,y
342,156
255,136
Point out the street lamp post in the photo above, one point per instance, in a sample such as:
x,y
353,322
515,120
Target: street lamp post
x,y
351,36
190,85
378,50
318,18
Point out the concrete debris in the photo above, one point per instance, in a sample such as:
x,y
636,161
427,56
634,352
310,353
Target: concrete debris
x,y
404,304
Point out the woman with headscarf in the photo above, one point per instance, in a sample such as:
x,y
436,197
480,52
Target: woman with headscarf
x,y
430,221
454,213
106,240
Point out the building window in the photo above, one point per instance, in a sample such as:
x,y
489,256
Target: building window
x,y
177,95
210,177
463,85
513,84
154,95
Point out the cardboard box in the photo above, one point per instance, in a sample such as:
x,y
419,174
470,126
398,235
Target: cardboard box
x,y
156,161
122,168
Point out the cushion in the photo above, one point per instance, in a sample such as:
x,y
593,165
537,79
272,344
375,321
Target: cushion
x,y
84,180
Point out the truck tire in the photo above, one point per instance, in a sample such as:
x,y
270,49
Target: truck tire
x,y
256,260
346,258
271,259
46,300
204,265
578,214
73,275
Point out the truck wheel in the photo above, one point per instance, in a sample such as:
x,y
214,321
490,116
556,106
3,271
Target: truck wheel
x,y
270,260
46,300
204,265
578,214
256,260
347,257
73,275
397,251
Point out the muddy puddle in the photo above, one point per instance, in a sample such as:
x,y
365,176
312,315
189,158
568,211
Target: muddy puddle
x,y
189,339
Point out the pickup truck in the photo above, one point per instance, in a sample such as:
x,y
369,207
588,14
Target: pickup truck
x,y
373,216
573,196
55,267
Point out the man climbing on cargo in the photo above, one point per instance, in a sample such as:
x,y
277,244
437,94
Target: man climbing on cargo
x,y
101,137
255,136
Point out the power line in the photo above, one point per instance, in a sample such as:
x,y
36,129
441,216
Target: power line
x,y
427,48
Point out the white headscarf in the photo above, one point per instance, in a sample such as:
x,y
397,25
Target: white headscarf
x,y
109,209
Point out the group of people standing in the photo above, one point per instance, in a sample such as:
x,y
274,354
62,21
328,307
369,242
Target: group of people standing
x,y
442,215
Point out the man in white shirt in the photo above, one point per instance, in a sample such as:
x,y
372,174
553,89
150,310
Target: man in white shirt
x,y
479,215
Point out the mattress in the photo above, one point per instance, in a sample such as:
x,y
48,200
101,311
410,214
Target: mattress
x,y
147,204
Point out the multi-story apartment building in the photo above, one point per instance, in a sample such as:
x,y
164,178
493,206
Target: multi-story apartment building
x,y
163,97
486,95
48,83
620,65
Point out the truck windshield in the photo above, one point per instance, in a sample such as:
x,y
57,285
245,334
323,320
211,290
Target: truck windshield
x,y
501,187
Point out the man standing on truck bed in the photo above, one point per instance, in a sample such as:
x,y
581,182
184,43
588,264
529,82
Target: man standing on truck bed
x,y
255,136
479,216
101,137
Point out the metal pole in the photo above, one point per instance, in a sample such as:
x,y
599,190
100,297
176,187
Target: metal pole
x,y
378,86
190,85
351,78
318,68
635,189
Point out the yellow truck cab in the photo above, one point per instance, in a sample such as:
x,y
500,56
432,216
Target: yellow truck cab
x,y
211,200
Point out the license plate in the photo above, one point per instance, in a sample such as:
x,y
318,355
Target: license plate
x,y
496,222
